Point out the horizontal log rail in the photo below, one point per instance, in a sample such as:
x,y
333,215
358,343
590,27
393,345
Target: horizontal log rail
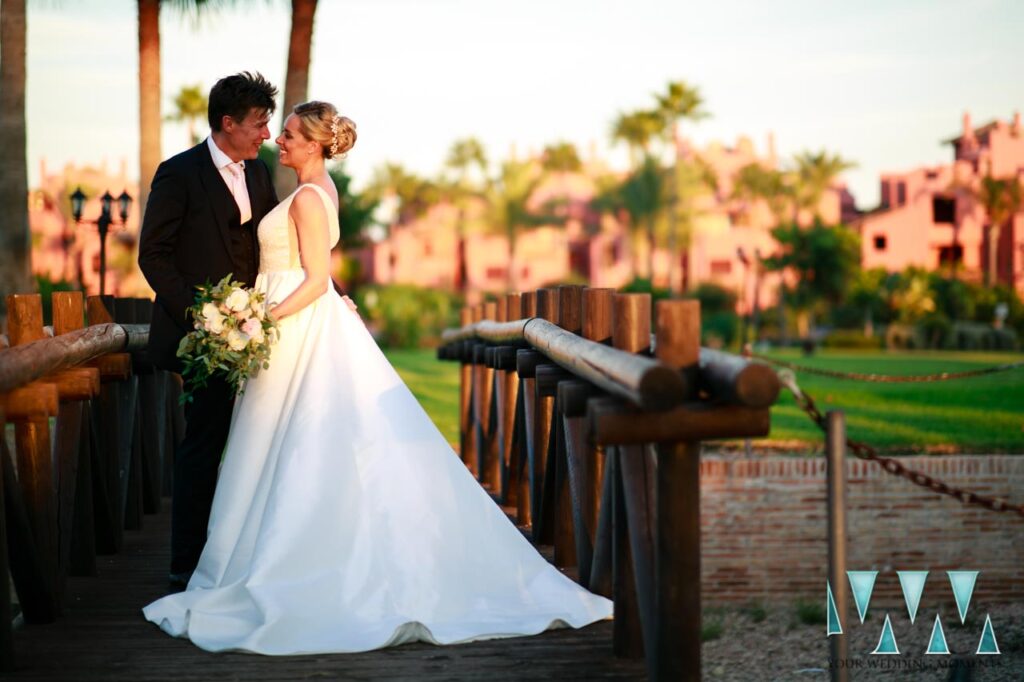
x,y
22,364
648,383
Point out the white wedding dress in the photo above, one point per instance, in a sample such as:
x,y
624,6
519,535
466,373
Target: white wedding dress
x,y
343,521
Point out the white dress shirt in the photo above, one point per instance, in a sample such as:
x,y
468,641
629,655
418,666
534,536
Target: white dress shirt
x,y
233,174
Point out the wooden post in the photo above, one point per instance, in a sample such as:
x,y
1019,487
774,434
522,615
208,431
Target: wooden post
x,y
465,394
596,325
36,475
6,638
835,446
483,386
677,620
506,385
627,633
570,319
631,332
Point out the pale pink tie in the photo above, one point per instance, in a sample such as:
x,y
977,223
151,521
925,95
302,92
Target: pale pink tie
x,y
239,191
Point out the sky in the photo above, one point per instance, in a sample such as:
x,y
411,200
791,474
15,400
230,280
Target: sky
x,y
881,82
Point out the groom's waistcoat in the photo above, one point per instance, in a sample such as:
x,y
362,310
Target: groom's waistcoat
x,y
190,235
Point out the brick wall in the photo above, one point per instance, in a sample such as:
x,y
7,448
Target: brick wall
x,y
764,528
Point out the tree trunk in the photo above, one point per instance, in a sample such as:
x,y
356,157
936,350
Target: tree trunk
x,y
15,240
650,251
149,97
296,83
992,271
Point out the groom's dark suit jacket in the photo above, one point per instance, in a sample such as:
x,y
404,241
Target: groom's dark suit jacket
x,y
190,235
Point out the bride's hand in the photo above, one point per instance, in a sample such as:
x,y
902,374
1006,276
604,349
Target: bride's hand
x,y
351,304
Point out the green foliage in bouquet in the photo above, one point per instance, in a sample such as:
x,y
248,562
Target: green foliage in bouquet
x,y
232,335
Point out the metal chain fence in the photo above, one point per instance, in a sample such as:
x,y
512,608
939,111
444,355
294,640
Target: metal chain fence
x,y
890,378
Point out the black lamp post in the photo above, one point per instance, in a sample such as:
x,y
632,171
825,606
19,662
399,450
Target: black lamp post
x,y
103,224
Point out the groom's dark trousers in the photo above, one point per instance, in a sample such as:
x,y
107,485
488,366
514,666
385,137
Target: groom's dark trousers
x,y
191,234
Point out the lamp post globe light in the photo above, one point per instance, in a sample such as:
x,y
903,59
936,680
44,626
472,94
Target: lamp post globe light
x,y
103,223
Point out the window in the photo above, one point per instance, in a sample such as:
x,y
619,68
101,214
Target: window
x,y
948,255
943,210
901,193
880,242
931,175
721,267
496,272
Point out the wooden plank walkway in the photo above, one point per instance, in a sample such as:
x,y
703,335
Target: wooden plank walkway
x,y
103,636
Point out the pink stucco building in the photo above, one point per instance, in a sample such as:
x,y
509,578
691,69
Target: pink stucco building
x,y
931,217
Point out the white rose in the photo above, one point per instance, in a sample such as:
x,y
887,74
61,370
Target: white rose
x,y
237,300
237,340
213,321
258,309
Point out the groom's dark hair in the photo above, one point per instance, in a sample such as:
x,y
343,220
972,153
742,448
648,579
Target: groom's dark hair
x,y
236,95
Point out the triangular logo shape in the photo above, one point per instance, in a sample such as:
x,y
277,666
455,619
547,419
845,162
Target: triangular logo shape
x,y
988,644
861,584
912,583
937,642
887,640
963,588
834,626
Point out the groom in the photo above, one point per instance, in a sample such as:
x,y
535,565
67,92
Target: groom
x,y
200,225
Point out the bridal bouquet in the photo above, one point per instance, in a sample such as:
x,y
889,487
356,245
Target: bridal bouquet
x,y
232,335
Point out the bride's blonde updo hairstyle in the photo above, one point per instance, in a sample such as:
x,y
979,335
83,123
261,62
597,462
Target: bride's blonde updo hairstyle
x,y
320,122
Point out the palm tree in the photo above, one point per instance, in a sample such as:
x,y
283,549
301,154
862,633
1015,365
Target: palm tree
x,y
190,105
463,157
815,173
679,102
1001,199
643,197
150,153
15,240
413,193
296,82
637,130
689,180
754,182
561,157
507,200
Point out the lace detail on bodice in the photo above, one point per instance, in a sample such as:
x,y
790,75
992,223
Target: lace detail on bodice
x,y
278,244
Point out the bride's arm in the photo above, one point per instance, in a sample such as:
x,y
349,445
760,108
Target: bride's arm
x,y
312,232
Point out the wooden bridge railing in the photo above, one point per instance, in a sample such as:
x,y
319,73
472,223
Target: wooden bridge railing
x,y
94,430
573,412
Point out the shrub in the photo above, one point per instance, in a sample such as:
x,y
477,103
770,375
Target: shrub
x,y
978,336
851,338
810,612
711,630
641,285
406,316
45,286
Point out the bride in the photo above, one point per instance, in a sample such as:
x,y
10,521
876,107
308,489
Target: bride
x,y
343,521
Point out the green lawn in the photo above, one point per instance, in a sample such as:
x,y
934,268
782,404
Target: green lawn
x,y
984,414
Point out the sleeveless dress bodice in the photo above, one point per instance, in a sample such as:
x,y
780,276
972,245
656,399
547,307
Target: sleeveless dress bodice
x,y
279,250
